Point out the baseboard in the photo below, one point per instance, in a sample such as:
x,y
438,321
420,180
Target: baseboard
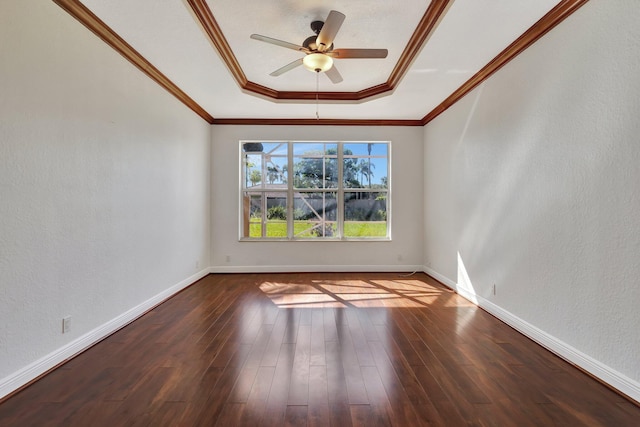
x,y
32,371
440,278
604,373
315,268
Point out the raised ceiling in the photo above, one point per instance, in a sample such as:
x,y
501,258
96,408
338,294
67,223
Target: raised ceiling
x,y
201,52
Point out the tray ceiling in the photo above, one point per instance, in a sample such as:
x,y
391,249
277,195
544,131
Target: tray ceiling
x,y
203,50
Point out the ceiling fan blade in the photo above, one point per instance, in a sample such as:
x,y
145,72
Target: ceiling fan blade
x,y
278,42
287,67
333,74
329,30
358,53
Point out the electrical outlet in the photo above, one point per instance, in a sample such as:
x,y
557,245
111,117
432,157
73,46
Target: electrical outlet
x,y
228,258
494,288
66,324
197,265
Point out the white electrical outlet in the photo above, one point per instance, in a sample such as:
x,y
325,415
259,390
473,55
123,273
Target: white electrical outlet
x,y
228,258
197,265
66,324
494,288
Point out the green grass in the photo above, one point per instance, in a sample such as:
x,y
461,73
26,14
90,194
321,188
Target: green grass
x,y
365,229
352,229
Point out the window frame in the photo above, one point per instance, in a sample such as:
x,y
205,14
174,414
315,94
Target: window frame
x,y
292,192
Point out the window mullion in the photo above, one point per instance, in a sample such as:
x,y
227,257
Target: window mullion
x,y
290,199
340,195
265,205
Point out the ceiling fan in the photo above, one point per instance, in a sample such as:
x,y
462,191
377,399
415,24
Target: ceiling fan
x,y
319,51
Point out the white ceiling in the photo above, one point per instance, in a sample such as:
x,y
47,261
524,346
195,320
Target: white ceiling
x,y
470,35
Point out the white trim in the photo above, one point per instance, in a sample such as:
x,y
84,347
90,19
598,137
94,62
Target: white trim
x,y
315,268
615,379
23,376
440,278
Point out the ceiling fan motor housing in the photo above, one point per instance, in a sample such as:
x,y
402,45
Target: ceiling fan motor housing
x,y
316,26
310,43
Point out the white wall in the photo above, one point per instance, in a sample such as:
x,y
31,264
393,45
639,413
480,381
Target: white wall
x,y
533,180
104,189
403,253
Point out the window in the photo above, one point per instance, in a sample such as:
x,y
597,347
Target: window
x,y
314,190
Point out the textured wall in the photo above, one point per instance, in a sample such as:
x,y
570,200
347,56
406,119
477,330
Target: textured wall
x,y
104,184
404,251
532,180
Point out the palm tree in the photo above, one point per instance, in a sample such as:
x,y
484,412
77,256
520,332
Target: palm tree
x,y
384,181
272,174
369,148
366,170
255,177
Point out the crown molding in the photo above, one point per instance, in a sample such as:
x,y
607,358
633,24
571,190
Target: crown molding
x,y
110,37
317,122
210,26
429,22
425,28
554,17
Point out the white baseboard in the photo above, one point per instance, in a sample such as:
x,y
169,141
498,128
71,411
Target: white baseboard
x,y
440,278
315,268
610,376
18,379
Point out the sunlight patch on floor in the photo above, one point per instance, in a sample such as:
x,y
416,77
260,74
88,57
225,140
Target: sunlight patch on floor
x,y
406,293
290,298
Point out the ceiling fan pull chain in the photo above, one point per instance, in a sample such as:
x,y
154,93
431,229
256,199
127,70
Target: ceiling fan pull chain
x,y
317,89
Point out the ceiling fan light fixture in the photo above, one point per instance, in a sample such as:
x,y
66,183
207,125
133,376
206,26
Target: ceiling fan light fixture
x,y
317,62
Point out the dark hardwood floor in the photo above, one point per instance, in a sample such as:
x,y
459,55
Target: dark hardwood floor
x,y
317,350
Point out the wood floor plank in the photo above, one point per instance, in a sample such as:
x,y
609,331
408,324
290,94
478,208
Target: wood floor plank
x,y
365,358
257,399
215,387
231,414
317,356
330,330
276,339
293,321
395,334
337,386
447,408
247,349
408,410
368,328
318,397
296,416
382,413
353,374
299,386
95,412
256,354
244,383
276,405
361,415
